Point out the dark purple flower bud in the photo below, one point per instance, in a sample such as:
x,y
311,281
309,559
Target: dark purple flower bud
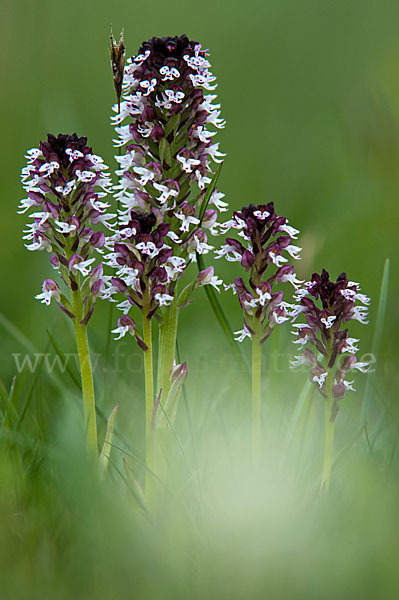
x,y
157,132
339,390
247,260
97,240
276,299
37,198
97,273
164,255
55,261
347,363
159,275
310,356
121,249
240,285
282,272
283,241
119,284
52,209
309,306
163,229
97,288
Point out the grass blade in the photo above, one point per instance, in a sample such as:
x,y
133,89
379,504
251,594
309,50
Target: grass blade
x,y
301,405
16,333
209,193
109,434
223,321
135,487
23,341
375,347
75,378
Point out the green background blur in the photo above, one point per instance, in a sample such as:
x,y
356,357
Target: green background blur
x,y
310,92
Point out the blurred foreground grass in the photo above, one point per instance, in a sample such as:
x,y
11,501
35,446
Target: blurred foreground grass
x,y
214,526
218,528
310,91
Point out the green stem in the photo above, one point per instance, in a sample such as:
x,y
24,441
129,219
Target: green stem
x,y
167,348
256,390
150,443
328,444
149,378
329,422
86,374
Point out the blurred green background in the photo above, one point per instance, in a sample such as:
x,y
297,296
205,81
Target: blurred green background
x,y
310,92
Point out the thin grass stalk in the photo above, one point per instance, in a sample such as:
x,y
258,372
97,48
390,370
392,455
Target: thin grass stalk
x,y
224,323
167,348
375,348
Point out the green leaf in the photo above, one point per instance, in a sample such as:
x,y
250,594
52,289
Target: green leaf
x,y
109,434
180,139
223,321
172,124
29,396
167,414
163,144
135,488
10,416
209,193
3,393
185,294
375,347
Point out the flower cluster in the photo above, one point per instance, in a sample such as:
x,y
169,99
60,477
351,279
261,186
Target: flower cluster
x,y
266,237
65,183
146,269
324,331
166,165
144,263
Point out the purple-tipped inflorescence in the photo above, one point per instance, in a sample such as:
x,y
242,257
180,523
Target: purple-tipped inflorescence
x,y
325,330
265,239
65,183
167,163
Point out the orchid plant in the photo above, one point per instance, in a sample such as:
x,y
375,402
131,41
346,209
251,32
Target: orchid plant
x,y
66,184
326,347
265,238
167,214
